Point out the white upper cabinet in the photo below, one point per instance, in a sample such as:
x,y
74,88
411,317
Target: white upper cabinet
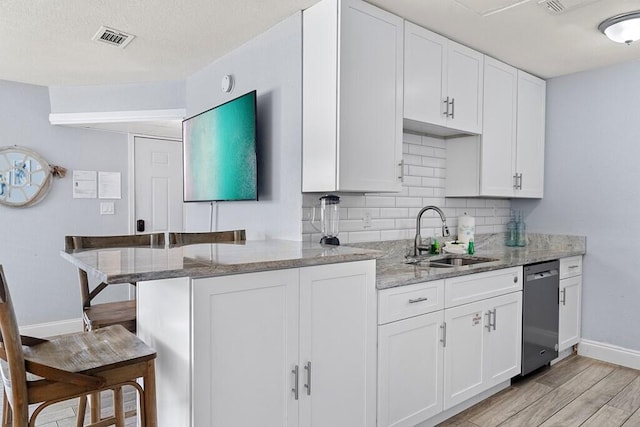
x,y
352,98
498,149
532,95
508,159
443,84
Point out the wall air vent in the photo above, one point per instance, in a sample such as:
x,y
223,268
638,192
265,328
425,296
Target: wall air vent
x,y
556,7
113,37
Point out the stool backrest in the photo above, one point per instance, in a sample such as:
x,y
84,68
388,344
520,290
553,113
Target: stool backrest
x,y
16,383
97,242
229,236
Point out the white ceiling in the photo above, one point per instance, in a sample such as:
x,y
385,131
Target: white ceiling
x,y
50,42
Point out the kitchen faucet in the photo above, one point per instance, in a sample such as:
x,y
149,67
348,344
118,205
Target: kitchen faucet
x,y
417,243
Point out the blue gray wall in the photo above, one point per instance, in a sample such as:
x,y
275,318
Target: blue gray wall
x,y
45,287
592,188
271,64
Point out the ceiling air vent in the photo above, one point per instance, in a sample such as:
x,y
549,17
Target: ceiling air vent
x,y
556,7
113,37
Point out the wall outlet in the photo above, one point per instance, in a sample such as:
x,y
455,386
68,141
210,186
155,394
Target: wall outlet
x,y
366,220
107,208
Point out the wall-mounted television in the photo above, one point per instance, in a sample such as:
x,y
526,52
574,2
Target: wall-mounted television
x,y
219,152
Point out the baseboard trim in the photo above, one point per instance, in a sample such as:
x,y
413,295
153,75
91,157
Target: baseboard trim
x,y
49,329
610,353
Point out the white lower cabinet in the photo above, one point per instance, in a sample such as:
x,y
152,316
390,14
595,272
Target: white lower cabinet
x,y
483,346
410,363
570,302
281,348
431,362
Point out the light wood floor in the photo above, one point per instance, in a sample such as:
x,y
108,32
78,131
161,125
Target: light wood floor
x,y
575,392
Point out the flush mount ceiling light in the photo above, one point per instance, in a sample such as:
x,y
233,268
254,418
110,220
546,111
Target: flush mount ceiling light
x,y
624,28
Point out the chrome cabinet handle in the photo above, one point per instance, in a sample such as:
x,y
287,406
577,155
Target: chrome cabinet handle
x,y
488,325
495,312
413,301
307,367
446,107
453,108
295,372
564,296
443,340
401,165
515,181
520,183
573,266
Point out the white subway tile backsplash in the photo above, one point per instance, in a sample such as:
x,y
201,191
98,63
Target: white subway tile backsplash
x,y
408,202
421,191
380,201
394,212
421,150
456,203
392,216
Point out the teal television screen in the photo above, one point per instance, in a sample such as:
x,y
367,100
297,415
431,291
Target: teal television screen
x,y
219,152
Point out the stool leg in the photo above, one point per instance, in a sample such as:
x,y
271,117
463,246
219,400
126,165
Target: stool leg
x,y
82,410
150,410
6,411
118,406
94,401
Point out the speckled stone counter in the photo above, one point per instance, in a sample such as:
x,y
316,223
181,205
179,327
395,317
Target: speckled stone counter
x,y
391,270
122,265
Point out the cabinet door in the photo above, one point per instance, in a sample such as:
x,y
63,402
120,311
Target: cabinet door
x,y
503,338
465,70
570,312
424,58
370,98
498,154
338,333
245,345
464,352
410,363
530,135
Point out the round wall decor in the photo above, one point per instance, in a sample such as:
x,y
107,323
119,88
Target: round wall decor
x,y
25,177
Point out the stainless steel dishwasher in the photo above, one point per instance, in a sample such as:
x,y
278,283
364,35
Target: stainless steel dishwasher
x,y
540,308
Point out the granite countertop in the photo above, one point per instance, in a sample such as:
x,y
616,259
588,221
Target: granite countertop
x,y
391,271
135,264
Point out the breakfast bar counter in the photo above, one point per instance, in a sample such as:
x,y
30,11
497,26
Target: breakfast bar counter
x,y
136,264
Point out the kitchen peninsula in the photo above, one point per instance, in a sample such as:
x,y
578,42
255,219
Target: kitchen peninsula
x,y
282,333
254,333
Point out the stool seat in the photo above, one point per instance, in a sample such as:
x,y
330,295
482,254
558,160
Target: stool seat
x,y
111,313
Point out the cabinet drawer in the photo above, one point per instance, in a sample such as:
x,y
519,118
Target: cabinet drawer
x,y
476,287
408,301
570,267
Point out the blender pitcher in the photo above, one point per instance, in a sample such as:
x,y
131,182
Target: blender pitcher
x,y
329,219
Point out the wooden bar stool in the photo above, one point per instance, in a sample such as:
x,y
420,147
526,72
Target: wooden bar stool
x,y
112,313
97,316
69,366
181,239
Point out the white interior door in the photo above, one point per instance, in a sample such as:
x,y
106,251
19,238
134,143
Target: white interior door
x,y
158,184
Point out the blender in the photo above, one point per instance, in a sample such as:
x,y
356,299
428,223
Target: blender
x,y
329,219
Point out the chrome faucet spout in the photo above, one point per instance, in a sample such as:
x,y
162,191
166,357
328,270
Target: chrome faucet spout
x,y
417,241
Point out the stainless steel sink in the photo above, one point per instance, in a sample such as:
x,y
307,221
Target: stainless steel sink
x,y
447,261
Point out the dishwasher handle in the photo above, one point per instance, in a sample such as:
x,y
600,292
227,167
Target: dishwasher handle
x,y
541,275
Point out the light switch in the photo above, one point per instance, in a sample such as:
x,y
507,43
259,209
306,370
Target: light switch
x,y
107,208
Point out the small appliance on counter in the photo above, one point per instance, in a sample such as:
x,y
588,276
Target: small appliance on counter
x,y
329,219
